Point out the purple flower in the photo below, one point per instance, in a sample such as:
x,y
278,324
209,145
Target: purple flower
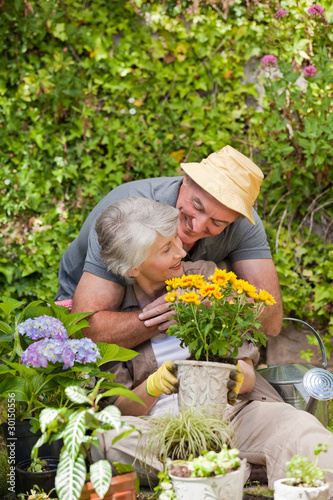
x,y
310,70
280,13
269,60
316,10
66,351
43,327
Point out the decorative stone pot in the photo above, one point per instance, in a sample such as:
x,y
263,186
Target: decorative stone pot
x,y
122,488
223,487
284,491
203,384
44,479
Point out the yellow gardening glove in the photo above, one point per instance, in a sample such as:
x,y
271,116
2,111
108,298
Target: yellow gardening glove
x,y
234,384
163,380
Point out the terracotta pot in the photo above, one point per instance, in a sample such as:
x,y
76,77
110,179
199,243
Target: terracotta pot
x,y
284,491
224,487
122,488
203,384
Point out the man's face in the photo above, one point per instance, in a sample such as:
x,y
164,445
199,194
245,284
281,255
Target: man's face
x,y
200,214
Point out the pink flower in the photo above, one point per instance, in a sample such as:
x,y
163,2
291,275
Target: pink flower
x,y
316,10
269,60
310,70
280,13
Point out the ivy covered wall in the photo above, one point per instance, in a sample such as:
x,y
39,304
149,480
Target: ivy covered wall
x,y
100,92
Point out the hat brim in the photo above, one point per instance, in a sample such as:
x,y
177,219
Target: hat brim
x,y
206,179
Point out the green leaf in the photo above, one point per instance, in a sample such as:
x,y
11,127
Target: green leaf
x,y
100,476
112,352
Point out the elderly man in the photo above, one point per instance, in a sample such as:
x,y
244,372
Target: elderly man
x,y
217,222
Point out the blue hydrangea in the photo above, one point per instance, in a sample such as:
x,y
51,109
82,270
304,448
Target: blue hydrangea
x,y
43,327
66,351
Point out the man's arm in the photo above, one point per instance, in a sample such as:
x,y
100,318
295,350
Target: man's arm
x,y
103,298
262,274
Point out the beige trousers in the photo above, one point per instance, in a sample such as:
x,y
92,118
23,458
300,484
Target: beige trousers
x,y
268,434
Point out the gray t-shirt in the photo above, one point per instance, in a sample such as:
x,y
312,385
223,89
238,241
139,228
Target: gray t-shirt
x,y
239,241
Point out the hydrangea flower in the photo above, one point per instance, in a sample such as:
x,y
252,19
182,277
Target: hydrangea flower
x,y
66,351
316,10
310,70
43,327
269,60
280,13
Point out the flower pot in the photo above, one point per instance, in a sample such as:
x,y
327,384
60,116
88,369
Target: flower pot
x,y
223,487
284,491
44,479
203,383
20,443
122,488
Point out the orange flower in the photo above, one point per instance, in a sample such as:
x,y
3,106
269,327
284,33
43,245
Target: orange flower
x,y
192,281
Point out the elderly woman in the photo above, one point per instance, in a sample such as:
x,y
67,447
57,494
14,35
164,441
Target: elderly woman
x,y
139,241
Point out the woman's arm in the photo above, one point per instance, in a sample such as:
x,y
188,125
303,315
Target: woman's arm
x,y
129,407
246,366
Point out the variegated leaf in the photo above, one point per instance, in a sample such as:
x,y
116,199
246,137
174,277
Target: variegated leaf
x,y
71,476
100,476
110,415
74,433
77,394
48,415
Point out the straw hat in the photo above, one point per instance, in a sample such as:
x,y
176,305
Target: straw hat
x,y
232,178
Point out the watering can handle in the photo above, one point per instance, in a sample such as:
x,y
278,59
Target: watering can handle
x,y
316,334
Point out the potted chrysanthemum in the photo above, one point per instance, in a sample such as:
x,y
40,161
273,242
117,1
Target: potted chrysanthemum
x,y
213,318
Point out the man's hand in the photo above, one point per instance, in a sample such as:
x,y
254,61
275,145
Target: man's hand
x,y
163,380
234,384
157,313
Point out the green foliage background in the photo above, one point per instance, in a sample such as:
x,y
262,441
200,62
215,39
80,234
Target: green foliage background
x,y
97,93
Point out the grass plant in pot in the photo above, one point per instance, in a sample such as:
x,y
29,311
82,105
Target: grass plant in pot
x,y
211,476
185,434
213,318
77,476
304,481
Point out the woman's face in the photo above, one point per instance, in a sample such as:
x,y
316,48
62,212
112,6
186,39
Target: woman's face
x,y
163,262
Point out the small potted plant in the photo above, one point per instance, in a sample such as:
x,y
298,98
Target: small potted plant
x,y
213,317
217,476
38,473
78,477
304,479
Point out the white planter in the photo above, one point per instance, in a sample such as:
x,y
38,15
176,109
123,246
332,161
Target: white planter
x,y
223,487
203,384
283,491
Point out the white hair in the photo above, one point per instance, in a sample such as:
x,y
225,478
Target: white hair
x,y
128,228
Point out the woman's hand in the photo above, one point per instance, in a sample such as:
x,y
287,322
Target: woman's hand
x,y
163,381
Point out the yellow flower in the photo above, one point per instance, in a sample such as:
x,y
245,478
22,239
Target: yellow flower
x,y
173,283
190,297
249,289
171,297
192,281
266,297
220,277
209,290
238,286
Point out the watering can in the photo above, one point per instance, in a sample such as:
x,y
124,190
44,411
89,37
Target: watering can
x,y
302,385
